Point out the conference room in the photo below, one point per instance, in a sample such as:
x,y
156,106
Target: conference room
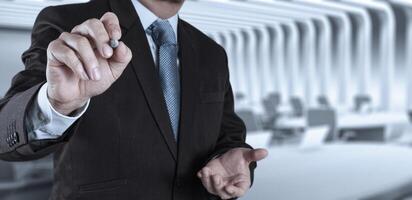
x,y
323,85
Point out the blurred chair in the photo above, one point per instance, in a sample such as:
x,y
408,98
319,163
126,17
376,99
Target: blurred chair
x,y
323,102
323,117
362,102
250,120
255,135
289,135
410,116
241,101
275,97
239,96
297,107
270,105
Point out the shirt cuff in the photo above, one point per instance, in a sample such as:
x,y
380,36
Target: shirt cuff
x,y
54,124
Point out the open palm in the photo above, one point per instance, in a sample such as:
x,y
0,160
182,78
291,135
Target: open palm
x,y
228,176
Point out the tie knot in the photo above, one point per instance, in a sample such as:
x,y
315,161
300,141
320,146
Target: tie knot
x,y
162,32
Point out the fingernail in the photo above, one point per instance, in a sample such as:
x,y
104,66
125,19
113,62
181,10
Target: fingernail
x,y
96,74
116,32
206,173
108,51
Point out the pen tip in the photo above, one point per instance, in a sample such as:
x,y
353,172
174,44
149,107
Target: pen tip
x,y
114,43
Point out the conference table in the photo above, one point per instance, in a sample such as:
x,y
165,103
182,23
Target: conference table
x,y
334,172
351,121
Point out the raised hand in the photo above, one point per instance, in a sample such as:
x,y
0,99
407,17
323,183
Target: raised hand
x,y
228,176
81,64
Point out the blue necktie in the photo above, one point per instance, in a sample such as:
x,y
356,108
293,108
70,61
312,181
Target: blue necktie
x,y
164,37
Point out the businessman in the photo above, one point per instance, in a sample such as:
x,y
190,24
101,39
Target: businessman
x,y
152,118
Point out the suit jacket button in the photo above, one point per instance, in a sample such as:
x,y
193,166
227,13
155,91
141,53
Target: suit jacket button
x,y
16,136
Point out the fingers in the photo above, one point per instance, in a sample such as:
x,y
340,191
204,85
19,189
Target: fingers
x,y
120,59
57,50
255,155
101,31
121,56
238,185
83,48
95,30
214,184
204,176
218,186
234,191
111,23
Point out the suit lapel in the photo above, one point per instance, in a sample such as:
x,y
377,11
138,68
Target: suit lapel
x,y
188,65
144,68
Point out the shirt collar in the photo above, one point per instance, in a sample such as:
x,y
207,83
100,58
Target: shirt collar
x,y
147,17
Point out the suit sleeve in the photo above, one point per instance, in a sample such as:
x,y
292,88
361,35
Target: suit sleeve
x,y
233,129
14,140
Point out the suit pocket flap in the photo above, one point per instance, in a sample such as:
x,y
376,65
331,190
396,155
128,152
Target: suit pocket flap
x,y
112,184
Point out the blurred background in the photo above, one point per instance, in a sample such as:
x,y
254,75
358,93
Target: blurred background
x,y
323,84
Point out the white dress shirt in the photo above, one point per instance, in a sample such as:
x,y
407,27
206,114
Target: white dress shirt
x,y
44,122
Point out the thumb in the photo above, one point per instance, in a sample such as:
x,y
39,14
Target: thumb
x,y
256,155
120,59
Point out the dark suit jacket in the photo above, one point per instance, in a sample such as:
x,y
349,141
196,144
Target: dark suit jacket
x,y
123,146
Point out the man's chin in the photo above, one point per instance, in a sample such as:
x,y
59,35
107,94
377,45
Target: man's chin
x,y
174,1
